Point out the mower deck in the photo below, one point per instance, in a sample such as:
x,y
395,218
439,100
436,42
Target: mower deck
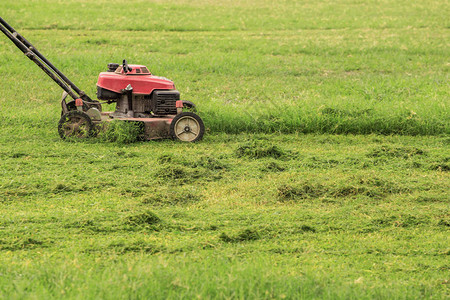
x,y
154,128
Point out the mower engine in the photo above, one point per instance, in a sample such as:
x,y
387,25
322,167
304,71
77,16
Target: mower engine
x,y
137,92
141,96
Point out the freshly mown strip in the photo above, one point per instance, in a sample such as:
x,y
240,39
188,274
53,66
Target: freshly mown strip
x,y
245,216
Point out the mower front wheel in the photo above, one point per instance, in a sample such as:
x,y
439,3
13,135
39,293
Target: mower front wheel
x,y
187,127
75,124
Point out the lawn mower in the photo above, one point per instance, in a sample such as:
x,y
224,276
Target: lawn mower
x,y
139,96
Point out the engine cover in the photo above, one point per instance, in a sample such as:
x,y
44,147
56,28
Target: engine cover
x,y
142,81
164,102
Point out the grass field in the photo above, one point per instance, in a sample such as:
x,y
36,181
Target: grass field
x,y
323,172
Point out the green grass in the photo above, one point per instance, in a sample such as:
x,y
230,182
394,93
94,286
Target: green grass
x,y
320,216
272,204
347,67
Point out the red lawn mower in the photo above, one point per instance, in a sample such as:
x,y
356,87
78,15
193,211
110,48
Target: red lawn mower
x,y
139,96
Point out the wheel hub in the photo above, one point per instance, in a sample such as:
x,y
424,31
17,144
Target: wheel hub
x,y
187,127
75,124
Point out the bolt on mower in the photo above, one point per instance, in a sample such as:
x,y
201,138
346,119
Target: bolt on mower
x,y
139,97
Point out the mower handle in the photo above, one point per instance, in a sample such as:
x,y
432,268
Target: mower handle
x,y
33,54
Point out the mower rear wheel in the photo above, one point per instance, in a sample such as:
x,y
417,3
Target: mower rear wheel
x,y
75,124
187,127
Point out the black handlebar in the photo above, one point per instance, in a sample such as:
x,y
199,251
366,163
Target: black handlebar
x,y
33,54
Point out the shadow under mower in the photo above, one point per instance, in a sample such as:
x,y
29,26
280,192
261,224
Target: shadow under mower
x,y
139,96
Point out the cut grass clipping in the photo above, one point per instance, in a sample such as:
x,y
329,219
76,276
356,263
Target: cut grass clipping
x,y
257,149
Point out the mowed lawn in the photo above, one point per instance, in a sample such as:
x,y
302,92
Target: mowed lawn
x,y
323,172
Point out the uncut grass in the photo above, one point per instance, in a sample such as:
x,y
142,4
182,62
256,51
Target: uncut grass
x,y
182,15
360,78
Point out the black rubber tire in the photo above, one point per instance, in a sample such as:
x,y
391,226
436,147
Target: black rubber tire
x,y
189,106
75,124
188,134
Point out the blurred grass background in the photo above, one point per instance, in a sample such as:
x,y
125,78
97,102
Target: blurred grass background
x,y
251,66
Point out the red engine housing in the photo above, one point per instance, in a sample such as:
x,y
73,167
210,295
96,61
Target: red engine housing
x,y
141,80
